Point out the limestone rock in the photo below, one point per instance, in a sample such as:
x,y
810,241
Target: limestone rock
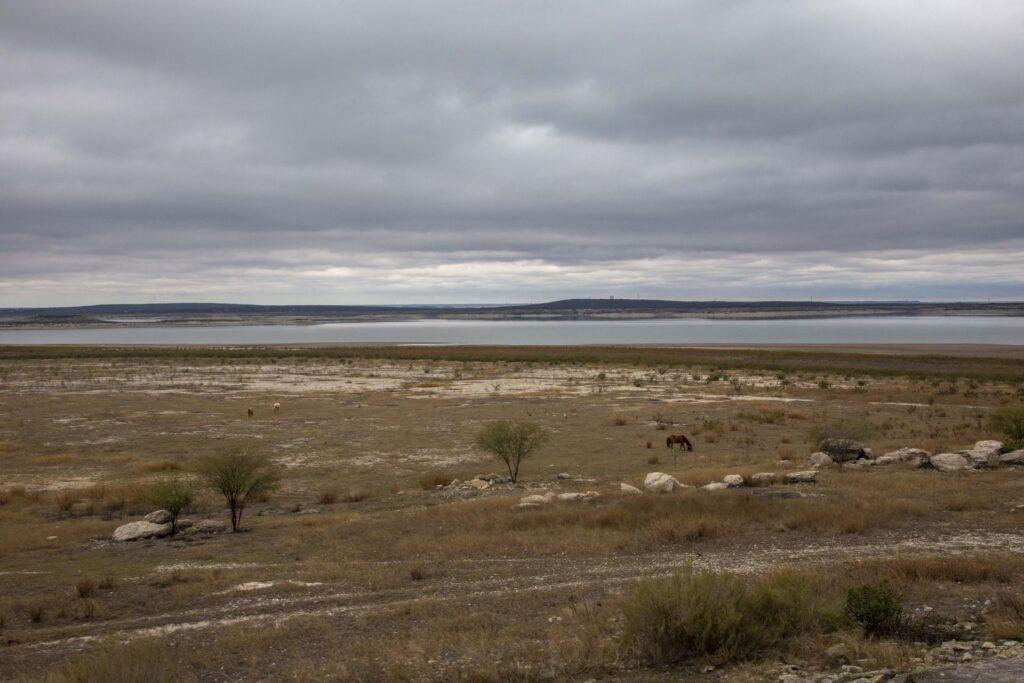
x,y
630,489
563,475
763,479
805,477
661,482
715,486
134,531
820,459
158,517
949,462
733,480
1013,457
985,453
571,497
479,484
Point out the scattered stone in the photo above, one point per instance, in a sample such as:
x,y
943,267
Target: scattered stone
x,y
479,484
661,482
733,480
843,450
762,479
563,475
185,524
590,495
715,486
630,489
805,477
571,497
949,462
158,517
134,531
907,454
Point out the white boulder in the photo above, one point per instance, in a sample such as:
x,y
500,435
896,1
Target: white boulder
x,y
715,486
762,479
804,477
571,497
820,459
1013,457
949,462
134,531
158,517
660,482
630,489
985,453
733,480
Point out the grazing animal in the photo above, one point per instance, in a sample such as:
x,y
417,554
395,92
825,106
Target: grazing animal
x,y
277,407
250,411
684,443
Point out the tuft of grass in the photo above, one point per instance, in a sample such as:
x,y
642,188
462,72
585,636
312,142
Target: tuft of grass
x,y
356,495
166,465
327,497
85,587
431,480
148,661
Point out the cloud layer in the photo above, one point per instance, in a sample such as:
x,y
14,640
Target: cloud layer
x,y
324,152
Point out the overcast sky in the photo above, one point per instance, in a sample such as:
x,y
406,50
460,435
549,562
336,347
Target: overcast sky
x,y
378,152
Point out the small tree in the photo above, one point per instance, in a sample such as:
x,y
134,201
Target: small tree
x,y
239,477
173,495
511,442
1009,421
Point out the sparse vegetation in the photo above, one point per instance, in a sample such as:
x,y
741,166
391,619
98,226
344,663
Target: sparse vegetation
x,y
1009,421
875,607
174,495
511,442
239,477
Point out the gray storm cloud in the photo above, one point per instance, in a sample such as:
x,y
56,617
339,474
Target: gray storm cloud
x,y
414,152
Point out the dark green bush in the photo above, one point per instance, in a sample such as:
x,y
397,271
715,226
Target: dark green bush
x,y
875,607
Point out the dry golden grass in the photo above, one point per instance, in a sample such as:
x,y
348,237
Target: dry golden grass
x,y
462,585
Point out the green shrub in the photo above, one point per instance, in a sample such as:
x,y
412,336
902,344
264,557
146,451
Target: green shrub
x,y
720,617
875,607
173,495
510,442
1009,421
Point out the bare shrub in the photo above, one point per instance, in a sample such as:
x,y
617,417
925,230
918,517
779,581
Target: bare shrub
x,y
240,477
511,442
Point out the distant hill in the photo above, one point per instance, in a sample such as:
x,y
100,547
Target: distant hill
x,y
213,313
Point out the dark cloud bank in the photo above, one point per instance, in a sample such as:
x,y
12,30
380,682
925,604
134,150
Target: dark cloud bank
x,y
485,152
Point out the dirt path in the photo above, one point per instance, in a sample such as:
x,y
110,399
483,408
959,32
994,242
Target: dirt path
x,y
260,605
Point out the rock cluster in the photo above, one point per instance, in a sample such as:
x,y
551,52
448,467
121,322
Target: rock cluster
x,y
157,524
983,454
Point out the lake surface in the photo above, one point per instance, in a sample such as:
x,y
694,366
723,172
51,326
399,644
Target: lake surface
x,y
879,330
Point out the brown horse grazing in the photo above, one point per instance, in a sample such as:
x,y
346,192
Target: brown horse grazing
x,y
684,443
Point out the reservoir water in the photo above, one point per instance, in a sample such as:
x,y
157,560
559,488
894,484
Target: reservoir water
x,y
866,330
